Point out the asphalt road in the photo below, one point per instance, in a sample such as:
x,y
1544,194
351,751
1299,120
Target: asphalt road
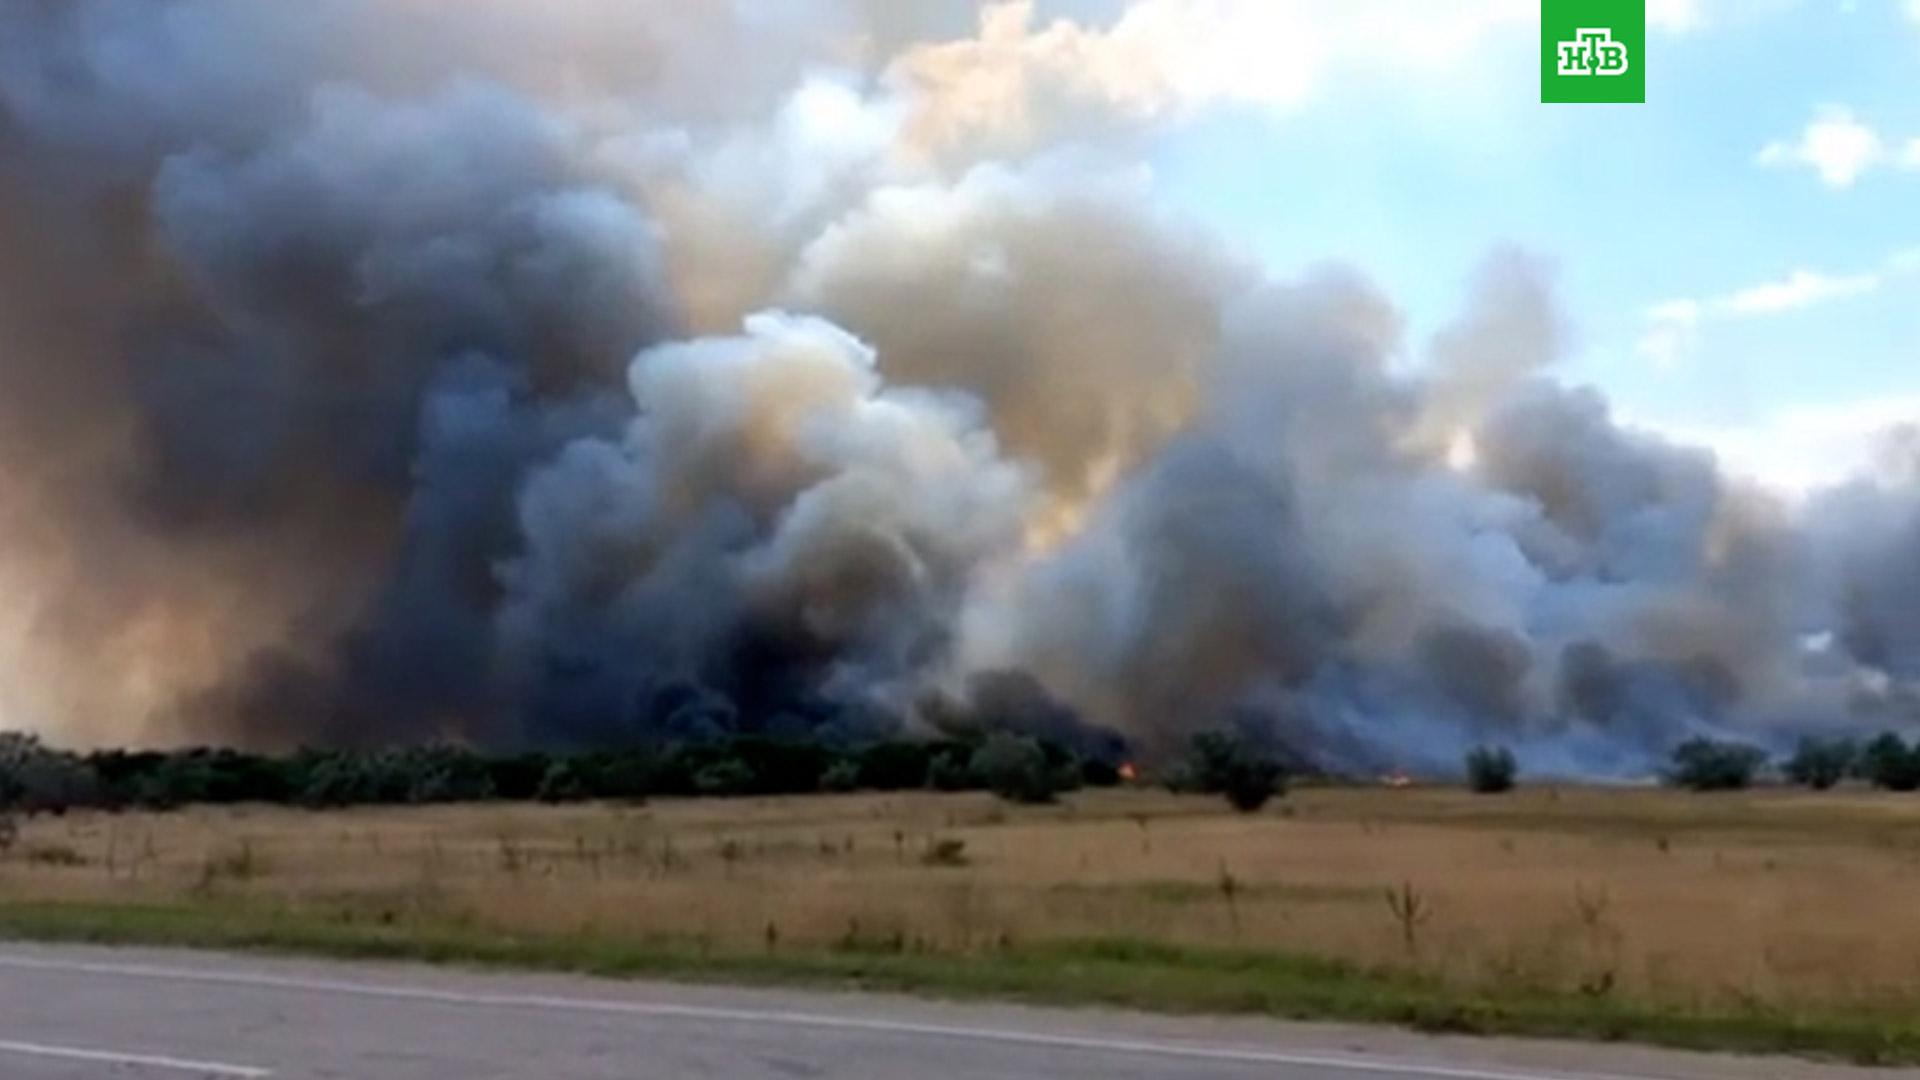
x,y
70,1013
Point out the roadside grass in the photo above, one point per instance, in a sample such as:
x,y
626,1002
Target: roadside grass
x,y
1108,972
1765,921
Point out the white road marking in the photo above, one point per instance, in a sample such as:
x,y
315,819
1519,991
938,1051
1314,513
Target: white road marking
x,y
1403,1067
150,1061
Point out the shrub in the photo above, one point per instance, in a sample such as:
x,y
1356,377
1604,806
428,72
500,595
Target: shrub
x,y
945,852
1702,764
1209,762
164,781
950,770
782,766
1095,772
234,777
727,776
1491,769
842,776
1062,764
438,774
1821,763
563,782
518,777
1890,763
1015,768
37,779
337,780
636,773
894,766
1251,781
1219,763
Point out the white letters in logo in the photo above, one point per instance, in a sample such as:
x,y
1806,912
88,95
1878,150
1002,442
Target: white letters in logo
x,y
1593,52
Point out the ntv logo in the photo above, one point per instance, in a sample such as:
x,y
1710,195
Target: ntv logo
x,y
1593,52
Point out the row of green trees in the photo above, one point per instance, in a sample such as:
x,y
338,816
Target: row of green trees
x,y
1887,761
36,778
1703,764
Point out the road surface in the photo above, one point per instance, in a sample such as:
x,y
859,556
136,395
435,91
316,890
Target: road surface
x,y
70,1013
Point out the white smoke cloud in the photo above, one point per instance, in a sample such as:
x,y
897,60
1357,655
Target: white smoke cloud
x,y
1022,81
374,375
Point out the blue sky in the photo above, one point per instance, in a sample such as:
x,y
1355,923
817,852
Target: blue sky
x,y
1760,299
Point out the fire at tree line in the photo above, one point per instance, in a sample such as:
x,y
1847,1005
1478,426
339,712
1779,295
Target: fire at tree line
x,y
35,778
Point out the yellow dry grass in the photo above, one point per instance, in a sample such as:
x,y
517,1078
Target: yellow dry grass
x,y
1768,898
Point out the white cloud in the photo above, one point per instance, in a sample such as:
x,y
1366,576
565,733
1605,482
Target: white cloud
x,y
1670,329
1834,144
1682,17
1802,288
1683,312
1677,16
1672,325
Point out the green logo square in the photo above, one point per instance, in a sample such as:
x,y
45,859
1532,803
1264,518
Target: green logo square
x,y
1593,50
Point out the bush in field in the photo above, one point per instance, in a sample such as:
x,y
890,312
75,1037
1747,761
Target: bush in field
x,y
634,774
439,774
1062,767
1821,763
563,783
518,777
952,770
16,752
1888,762
1702,764
841,777
1252,780
894,766
782,766
727,776
1097,773
1491,770
1015,768
36,779
175,781
334,780
1220,763
426,774
1209,762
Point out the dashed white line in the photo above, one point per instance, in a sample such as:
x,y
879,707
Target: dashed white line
x,y
1397,1067
145,1061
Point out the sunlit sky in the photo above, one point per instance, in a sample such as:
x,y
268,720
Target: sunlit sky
x,y
1740,255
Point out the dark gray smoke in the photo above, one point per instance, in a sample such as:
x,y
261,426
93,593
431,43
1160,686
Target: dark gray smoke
x,y
593,371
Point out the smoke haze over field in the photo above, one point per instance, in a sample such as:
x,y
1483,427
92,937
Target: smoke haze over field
x,y
574,372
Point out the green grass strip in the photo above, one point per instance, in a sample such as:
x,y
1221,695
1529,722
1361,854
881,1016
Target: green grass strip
x,y
1125,974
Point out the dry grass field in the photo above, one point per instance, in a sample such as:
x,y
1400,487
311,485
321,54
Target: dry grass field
x,y
1774,901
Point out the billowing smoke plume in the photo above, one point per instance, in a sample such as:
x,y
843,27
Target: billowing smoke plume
x,y
615,369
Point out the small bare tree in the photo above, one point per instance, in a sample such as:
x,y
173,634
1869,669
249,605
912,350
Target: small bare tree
x,y
1230,892
1412,910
